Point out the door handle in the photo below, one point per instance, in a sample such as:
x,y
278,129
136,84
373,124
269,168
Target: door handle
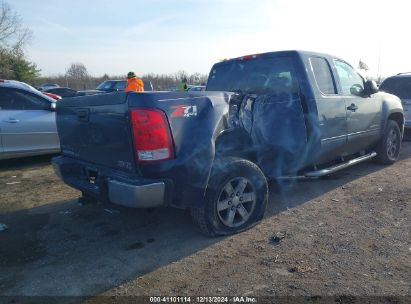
x,y
352,108
11,120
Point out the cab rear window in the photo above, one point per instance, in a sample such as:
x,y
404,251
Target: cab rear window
x,y
258,76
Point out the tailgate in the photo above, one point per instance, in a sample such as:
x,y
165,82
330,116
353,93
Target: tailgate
x,y
96,129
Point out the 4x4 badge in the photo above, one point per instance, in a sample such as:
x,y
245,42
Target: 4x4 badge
x,y
184,111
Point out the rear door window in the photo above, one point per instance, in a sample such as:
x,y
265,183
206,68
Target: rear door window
x,y
323,75
6,99
13,99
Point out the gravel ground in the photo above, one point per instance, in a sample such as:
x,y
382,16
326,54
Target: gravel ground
x,y
344,236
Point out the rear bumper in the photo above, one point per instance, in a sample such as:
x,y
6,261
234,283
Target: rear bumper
x,y
111,186
137,196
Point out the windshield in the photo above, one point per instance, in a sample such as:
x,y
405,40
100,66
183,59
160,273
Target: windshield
x,y
400,86
106,85
120,85
261,75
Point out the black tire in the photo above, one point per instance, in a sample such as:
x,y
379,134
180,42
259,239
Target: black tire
x,y
389,146
239,189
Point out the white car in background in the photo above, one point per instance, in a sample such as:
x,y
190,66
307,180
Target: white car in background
x,y
27,121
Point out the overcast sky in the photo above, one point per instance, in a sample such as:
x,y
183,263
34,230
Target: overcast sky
x,y
163,36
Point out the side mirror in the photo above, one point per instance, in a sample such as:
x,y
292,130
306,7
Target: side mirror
x,y
370,87
52,106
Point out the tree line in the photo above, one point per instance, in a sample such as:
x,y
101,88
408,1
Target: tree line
x,y
14,37
77,77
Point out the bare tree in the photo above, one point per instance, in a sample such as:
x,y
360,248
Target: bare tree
x,y
180,75
77,70
197,79
77,75
13,35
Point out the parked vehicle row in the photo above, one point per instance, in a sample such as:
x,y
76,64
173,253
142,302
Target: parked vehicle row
x,y
110,86
27,117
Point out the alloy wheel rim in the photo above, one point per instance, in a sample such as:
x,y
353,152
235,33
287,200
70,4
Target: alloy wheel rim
x,y
392,142
236,202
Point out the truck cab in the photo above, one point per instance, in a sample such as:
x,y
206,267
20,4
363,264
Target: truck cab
x,y
319,108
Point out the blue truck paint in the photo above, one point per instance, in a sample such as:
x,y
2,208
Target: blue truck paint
x,y
110,142
96,138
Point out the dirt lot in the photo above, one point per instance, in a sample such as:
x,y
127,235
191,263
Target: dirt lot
x,y
348,234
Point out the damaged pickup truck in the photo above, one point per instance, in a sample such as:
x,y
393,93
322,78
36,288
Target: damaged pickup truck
x,y
276,115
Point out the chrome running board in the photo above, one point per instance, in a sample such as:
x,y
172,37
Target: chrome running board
x,y
330,170
327,171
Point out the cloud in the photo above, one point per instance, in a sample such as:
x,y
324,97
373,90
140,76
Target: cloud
x,y
147,27
53,27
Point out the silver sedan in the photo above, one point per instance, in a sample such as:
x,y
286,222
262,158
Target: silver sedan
x,y
27,121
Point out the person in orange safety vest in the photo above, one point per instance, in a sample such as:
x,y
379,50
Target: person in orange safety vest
x,y
133,83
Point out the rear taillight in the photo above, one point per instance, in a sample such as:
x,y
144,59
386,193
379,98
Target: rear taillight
x,y
151,135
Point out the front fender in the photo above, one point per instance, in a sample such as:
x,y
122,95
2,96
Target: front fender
x,y
391,109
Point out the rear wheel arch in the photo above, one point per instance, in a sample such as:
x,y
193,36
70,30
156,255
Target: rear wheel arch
x,y
233,171
228,143
234,143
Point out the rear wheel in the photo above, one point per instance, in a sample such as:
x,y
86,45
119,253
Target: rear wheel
x,y
389,147
235,200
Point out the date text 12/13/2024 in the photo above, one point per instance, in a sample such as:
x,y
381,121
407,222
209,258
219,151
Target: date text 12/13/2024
x,y
203,299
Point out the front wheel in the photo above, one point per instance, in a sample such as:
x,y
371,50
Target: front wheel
x,y
389,147
235,199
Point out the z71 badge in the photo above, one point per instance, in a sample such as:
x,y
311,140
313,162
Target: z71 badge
x,y
184,111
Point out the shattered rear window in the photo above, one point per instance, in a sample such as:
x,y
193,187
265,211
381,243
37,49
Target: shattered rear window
x,y
258,76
